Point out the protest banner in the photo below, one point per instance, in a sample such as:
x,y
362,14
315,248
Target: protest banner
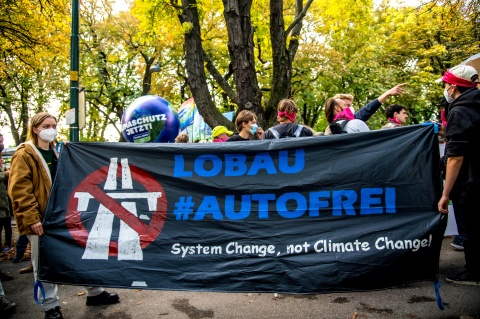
x,y
306,215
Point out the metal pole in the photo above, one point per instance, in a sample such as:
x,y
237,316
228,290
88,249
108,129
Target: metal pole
x,y
74,66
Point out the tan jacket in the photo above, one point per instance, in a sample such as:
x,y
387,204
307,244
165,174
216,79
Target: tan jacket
x,y
29,186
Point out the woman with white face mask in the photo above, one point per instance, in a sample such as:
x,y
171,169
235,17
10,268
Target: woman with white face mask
x,y
33,169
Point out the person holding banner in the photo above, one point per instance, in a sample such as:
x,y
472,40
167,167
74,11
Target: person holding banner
x,y
457,242
287,113
33,169
462,180
247,127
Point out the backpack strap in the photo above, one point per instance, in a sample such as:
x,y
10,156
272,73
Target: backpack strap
x,y
274,132
299,130
338,128
343,124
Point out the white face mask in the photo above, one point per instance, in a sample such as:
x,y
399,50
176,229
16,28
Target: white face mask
x,y
254,128
48,135
352,109
447,96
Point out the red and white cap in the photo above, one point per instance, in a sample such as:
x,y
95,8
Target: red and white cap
x,y
460,75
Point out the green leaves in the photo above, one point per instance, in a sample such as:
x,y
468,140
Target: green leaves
x,y
348,46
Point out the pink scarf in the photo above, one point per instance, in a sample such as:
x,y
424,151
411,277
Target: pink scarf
x,y
346,114
442,116
290,116
391,119
220,139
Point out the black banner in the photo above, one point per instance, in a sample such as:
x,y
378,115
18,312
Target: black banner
x,y
306,215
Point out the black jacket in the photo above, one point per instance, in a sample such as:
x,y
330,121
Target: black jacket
x,y
286,130
236,138
463,135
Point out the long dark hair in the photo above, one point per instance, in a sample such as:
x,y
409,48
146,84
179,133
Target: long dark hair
x,y
330,109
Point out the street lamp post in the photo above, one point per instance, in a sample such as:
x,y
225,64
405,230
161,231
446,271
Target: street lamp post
x,y
74,68
155,68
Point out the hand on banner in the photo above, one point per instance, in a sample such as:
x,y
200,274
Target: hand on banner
x,y
441,130
37,228
443,204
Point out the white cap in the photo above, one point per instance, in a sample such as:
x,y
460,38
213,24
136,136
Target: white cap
x,y
462,75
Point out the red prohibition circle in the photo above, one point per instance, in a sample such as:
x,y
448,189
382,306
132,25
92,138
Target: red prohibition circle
x,y
147,233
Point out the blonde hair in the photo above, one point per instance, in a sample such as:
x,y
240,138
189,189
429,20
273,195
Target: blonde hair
x,y
287,105
35,122
343,96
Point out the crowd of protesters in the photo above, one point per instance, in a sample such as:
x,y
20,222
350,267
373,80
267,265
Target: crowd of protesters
x,y
34,165
460,120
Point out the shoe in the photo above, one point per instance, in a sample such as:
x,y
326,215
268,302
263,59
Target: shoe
x,y
5,304
6,249
53,313
465,278
457,243
16,260
104,298
5,277
26,270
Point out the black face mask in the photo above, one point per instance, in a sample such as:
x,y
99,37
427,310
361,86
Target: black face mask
x,y
1,147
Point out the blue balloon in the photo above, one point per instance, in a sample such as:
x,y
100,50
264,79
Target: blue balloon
x,y
150,119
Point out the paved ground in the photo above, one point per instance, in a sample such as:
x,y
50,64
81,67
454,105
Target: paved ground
x,y
416,300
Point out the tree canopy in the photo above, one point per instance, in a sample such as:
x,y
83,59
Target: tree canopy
x,y
229,56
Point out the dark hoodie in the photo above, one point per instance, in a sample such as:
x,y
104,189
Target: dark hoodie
x,y
463,135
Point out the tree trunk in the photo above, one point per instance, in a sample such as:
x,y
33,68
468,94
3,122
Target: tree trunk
x,y
240,46
283,52
282,65
194,63
24,119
